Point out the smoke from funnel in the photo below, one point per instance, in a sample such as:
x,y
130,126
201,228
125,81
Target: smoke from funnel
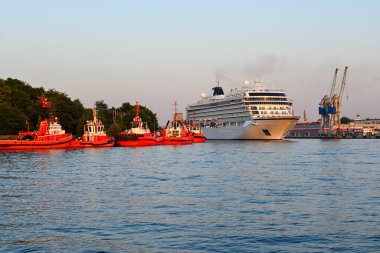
x,y
260,67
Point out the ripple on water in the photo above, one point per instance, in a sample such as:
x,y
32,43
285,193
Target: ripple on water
x,y
220,196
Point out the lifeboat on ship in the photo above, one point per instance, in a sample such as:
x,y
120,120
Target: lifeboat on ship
x,y
176,133
94,135
139,134
50,135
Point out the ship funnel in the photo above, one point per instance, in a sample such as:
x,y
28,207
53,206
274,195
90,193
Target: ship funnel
x,y
217,91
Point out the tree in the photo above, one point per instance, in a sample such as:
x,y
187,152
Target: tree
x,y
104,114
5,95
12,120
125,107
19,102
114,129
345,120
100,105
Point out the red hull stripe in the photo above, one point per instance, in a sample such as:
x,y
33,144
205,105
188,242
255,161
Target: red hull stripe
x,y
29,145
89,144
138,143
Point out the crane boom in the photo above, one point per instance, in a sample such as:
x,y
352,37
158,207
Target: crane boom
x,y
343,85
340,97
332,91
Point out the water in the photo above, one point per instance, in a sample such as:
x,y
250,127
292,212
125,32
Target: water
x,y
220,196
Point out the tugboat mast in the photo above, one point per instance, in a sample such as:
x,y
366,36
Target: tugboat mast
x,y
175,111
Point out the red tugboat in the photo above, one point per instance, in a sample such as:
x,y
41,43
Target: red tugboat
x,y
175,132
196,130
94,135
50,135
138,135
197,133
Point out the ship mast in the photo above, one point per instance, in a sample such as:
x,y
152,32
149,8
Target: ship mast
x,y
175,111
137,118
46,104
94,115
304,116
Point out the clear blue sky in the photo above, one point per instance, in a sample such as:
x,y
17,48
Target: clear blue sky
x,y
160,51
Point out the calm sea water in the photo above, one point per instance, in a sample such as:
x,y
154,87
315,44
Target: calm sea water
x,y
220,196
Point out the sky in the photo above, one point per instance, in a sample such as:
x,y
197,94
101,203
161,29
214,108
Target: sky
x,y
158,52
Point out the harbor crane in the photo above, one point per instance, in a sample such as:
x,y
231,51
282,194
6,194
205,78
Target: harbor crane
x,y
337,100
325,108
330,106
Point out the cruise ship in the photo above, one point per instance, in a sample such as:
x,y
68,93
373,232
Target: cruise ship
x,y
249,113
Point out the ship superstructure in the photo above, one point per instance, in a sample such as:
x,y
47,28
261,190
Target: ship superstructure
x,y
252,112
176,132
138,135
94,135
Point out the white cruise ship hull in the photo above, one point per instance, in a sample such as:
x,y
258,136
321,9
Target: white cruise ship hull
x,y
260,129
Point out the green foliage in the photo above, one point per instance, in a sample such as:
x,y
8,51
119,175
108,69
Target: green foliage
x,y
5,94
12,120
15,101
101,105
114,129
104,114
125,107
19,102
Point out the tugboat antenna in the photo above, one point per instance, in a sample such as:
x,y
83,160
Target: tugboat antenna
x,y
175,111
94,115
137,119
137,109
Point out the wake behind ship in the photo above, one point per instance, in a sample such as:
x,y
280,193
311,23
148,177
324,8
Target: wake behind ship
x,y
251,113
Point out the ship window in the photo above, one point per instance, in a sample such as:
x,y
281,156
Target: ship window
x,y
267,94
266,132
